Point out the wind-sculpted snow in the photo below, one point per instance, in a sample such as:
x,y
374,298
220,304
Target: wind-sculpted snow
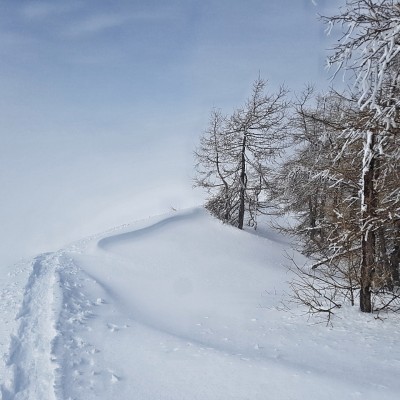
x,y
183,307
108,242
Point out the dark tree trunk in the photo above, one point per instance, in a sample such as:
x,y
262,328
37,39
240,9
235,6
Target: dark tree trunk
x,y
394,265
367,270
312,217
243,184
368,234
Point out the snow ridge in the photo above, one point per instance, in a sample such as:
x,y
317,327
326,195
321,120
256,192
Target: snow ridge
x,y
30,355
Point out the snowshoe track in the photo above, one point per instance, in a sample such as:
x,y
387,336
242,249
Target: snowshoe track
x,y
30,356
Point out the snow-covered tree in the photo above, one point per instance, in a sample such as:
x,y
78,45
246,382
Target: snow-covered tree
x,y
370,47
320,191
320,184
343,180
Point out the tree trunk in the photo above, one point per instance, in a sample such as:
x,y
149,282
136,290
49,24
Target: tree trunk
x,y
368,207
367,270
243,183
394,265
383,267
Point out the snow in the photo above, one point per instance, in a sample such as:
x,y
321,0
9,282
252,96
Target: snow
x,y
180,306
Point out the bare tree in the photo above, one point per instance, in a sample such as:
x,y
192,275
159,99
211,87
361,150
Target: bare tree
x,y
212,165
236,152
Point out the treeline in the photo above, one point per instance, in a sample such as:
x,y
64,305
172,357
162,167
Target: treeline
x,y
330,161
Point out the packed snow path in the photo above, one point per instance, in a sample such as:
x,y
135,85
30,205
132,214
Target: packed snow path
x,y
181,307
30,355
47,357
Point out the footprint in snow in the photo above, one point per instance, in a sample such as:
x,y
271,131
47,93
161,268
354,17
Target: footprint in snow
x,y
114,377
116,328
113,328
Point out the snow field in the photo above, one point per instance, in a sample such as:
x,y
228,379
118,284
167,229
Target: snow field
x,y
183,307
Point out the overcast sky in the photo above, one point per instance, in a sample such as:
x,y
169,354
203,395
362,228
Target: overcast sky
x,y
101,64
96,95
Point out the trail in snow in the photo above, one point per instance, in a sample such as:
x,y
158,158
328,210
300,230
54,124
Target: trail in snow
x,y
50,355
30,353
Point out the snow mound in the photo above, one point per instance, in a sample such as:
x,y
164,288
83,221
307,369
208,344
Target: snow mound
x,y
183,307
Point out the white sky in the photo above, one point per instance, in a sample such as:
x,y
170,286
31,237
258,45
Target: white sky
x,y
103,101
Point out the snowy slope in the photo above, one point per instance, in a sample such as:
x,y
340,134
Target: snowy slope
x,y
180,307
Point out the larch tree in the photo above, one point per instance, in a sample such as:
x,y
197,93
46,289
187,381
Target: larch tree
x,y
214,170
319,189
370,48
342,181
235,155
320,185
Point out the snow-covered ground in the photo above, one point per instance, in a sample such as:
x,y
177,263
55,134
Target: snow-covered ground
x,y
180,307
